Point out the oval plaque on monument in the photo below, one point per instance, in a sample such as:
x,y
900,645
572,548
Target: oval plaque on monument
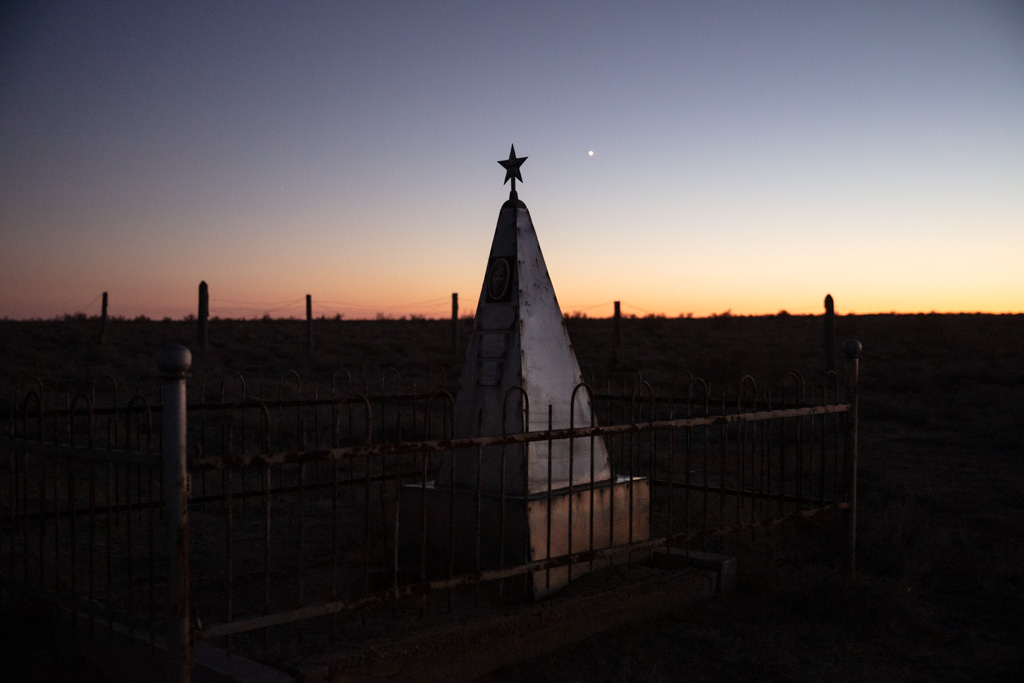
x,y
499,277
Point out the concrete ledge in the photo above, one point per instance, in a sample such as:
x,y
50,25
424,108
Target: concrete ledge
x,y
723,567
214,664
473,648
129,657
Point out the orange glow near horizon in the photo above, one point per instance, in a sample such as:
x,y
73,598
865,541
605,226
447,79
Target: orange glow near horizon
x,y
402,275
369,303
367,279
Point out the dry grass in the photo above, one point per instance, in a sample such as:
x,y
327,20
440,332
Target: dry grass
x,y
940,591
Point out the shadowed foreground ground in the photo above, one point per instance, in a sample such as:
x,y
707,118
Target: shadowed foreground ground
x,y
939,594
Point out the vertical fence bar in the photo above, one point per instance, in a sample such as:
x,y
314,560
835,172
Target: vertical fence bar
x,y
229,556
174,361
852,349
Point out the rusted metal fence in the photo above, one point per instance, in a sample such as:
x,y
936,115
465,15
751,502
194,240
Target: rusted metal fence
x,y
294,527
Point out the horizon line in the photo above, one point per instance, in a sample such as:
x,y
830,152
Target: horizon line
x,y
414,317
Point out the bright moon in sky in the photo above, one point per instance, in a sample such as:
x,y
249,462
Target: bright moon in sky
x,y
591,152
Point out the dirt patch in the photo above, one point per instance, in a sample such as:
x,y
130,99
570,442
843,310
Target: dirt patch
x,y
466,649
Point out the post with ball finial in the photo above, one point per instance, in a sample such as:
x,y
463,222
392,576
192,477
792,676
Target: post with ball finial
x,y
174,361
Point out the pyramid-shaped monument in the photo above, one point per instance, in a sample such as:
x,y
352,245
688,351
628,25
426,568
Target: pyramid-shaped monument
x,y
514,503
521,372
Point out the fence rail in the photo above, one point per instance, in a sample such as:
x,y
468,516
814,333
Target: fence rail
x,y
270,519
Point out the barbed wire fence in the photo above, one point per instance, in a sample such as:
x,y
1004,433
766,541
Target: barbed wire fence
x,y
433,308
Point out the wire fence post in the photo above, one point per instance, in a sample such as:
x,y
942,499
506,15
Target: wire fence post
x,y
309,322
174,361
103,320
204,313
830,333
617,350
852,349
455,323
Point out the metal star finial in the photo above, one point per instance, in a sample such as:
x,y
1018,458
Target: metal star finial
x,y
511,166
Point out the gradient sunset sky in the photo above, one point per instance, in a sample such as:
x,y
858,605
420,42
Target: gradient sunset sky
x,y
747,156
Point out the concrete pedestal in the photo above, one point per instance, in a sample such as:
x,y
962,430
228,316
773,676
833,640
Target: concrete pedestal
x,y
466,532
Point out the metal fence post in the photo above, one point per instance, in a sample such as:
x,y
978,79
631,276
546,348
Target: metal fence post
x,y
852,349
174,361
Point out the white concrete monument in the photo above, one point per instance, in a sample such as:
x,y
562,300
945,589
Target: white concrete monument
x,y
539,499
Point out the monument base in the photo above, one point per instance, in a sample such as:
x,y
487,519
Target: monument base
x,y
456,530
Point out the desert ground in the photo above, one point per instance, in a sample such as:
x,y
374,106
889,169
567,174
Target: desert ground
x,y
939,591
